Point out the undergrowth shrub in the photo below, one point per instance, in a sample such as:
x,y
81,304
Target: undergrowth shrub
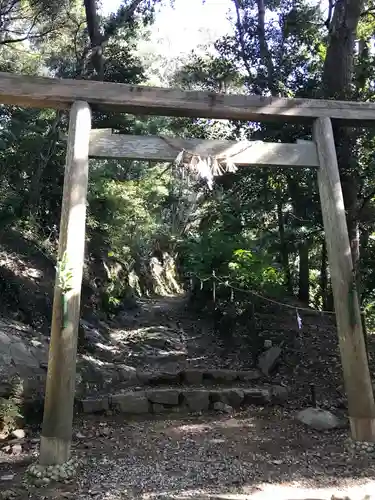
x,y
10,407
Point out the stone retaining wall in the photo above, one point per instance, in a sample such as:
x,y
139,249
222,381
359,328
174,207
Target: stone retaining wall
x,y
193,376
184,399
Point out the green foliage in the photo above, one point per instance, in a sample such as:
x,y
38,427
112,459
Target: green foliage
x,y
10,407
210,251
64,273
10,413
254,270
128,212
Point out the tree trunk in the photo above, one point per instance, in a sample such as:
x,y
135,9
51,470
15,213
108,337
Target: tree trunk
x,y
95,36
299,209
338,75
265,54
97,39
324,277
339,62
284,254
36,180
304,272
330,303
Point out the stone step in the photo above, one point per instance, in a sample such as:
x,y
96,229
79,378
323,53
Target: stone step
x,y
184,399
130,377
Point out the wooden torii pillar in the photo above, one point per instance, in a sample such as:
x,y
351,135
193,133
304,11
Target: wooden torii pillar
x,y
357,377
61,378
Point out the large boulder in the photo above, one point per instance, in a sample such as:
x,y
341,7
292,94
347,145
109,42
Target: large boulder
x,y
269,359
24,363
320,420
23,360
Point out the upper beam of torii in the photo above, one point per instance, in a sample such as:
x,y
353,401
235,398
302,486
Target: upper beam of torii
x,y
40,92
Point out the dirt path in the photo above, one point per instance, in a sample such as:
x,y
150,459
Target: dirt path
x,y
162,334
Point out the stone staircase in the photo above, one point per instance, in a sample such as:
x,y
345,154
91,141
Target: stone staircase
x,y
185,391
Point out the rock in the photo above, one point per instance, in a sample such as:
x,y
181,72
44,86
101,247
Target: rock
x,y
256,395
196,400
92,335
8,495
232,397
21,351
95,405
127,375
268,359
131,402
248,375
193,376
219,406
168,397
95,375
319,419
21,354
104,431
221,375
16,449
158,408
7,477
4,339
279,394
144,377
165,378
162,339
18,433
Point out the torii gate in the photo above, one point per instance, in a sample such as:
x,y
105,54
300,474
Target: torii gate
x,y
78,96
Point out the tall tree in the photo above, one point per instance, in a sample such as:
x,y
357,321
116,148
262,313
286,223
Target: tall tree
x,y
338,74
100,35
30,19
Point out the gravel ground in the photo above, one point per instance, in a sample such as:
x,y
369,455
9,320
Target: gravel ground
x,y
238,457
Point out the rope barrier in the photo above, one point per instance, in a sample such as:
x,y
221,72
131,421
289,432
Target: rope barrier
x,y
226,283
273,301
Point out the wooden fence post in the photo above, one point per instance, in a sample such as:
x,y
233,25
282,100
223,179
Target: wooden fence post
x,y
357,378
60,388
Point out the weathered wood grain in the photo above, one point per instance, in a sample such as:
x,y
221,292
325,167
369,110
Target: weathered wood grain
x,y
60,387
103,144
56,93
352,346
